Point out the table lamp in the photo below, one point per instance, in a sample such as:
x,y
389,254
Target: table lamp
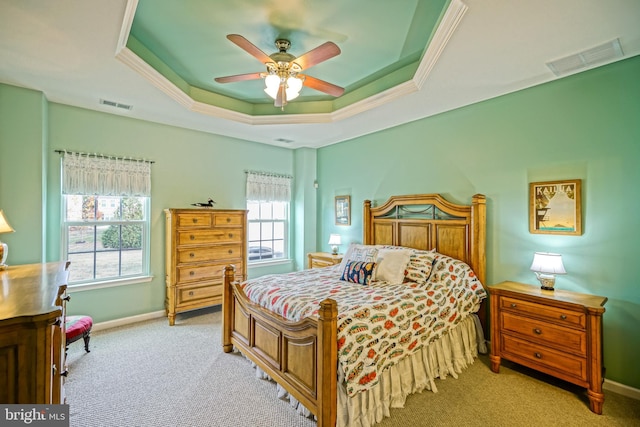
x,y
546,265
4,249
334,241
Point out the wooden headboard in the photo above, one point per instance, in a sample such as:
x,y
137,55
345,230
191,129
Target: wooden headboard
x,y
428,221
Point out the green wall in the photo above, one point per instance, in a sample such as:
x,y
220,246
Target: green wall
x,y
585,126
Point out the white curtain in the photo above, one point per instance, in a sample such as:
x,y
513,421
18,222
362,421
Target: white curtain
x,y
105,176
265,187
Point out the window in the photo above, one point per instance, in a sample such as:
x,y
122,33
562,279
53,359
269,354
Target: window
x,y
267,233
268,197
105,222
106,237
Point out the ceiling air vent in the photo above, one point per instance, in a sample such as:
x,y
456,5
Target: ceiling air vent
x,y
116,104
598,55
284,140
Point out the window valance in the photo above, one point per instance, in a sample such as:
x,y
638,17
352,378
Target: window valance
x,y
104,175
262,187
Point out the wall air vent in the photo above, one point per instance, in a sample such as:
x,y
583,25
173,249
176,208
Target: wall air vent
x,y
598,55
115,104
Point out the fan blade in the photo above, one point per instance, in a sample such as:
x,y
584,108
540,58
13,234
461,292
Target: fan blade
x,y
239,78
323,86
250,48
315,56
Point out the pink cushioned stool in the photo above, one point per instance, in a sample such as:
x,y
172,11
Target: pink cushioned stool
x,y
77,327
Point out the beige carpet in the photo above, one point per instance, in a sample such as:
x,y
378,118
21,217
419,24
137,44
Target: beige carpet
x,y
151,374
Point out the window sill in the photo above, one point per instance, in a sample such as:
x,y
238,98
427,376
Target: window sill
x,y
108,283
267,263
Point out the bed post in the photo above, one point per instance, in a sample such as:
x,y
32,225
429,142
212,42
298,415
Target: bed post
x,y
366,222
227,307
327,385
479,247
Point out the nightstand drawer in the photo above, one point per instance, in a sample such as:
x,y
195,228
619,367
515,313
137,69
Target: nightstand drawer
x,y
562,338
319,263
552,314
545,359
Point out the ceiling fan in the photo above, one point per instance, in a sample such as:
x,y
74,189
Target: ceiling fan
x,y
283,80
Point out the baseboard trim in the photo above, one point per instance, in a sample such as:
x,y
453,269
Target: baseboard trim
x,y
622,389
128,320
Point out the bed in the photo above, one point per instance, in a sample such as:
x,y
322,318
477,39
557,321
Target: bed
x,y
301,352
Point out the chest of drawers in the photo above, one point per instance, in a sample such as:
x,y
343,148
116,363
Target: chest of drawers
x,y
555,332
199,244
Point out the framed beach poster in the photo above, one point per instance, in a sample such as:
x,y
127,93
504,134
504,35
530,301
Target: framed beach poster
x,y
343,210
555,207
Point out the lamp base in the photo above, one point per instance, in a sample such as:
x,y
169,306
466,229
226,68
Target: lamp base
x,y
547,281
334,250
4,251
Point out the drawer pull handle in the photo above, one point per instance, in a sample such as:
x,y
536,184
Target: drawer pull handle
x,y
537,331
195,220
537,355
563,316
192,254
228,219
190,293
514,305
191,273
192,237
230,251
231,235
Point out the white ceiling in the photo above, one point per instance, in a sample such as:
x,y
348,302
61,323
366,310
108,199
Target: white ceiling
x,y
67,49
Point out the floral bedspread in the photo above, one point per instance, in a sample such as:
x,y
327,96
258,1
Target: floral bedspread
x,y
380,323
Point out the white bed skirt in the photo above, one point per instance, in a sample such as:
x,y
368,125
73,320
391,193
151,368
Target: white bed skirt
x,y
449,355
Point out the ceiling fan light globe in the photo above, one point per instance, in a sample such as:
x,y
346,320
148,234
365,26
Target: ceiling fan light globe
x,y
294,84
272,83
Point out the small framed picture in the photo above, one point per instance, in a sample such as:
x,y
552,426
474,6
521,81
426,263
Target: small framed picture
x,y
555,207
343,210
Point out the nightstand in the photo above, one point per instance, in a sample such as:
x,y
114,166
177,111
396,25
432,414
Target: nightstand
x,y
555,332
323,259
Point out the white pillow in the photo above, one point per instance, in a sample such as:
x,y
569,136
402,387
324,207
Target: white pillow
x,y
391,265
358,252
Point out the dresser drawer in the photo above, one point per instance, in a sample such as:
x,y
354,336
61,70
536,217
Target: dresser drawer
x,y
552,314
211,272
562,338
200,237
545,359
230,219
193,220
211,253
191,294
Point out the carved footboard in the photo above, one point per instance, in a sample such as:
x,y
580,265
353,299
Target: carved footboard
x,y
300,356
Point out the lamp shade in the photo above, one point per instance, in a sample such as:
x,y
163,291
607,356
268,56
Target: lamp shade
x,y
335,239
547,263
4,224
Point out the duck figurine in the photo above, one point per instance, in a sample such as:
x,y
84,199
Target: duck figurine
x,y
208,204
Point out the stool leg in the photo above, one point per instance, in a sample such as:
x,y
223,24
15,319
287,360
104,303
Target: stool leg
x,y
86,337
